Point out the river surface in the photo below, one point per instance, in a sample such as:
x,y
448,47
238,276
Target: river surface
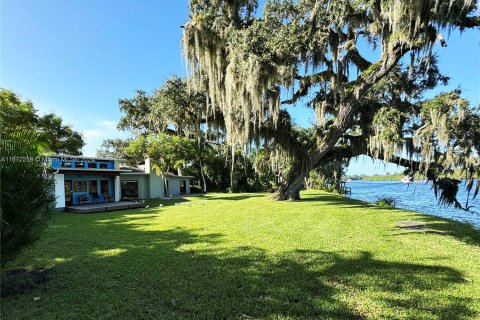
x,y
417,196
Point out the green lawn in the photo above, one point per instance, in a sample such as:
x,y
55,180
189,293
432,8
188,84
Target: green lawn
x,y
244,256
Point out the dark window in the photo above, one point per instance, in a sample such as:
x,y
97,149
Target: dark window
x,y
103,165
66,164
80,186
104,186
92,165
129,190
79,165
92,186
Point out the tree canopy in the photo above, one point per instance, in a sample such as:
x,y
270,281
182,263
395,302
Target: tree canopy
x,y
170,126
17,115
253,63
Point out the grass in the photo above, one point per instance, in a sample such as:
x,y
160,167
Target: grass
x,y
223,256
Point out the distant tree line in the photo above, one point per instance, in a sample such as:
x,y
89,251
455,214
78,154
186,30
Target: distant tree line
x,y
17,115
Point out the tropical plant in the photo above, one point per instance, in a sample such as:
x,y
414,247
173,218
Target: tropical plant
x,y
26,192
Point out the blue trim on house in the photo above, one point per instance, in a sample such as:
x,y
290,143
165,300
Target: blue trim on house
x,y
65,162
98,197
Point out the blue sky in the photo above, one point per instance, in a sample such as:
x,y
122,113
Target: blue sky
x,y
78,57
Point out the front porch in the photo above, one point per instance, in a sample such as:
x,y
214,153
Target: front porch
x,y
105,206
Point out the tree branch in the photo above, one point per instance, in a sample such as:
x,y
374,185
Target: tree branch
x,y
307,81
355,57
469,22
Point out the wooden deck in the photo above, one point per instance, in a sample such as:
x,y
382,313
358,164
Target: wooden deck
x,y
105,206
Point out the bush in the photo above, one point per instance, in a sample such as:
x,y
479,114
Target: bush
x,y
388,202
26,197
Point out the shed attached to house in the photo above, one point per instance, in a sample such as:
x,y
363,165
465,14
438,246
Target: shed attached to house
x,y
143,182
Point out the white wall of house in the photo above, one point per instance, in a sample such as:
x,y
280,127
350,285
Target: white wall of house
x,y
117,188
156,186
59,190
148,165
174,186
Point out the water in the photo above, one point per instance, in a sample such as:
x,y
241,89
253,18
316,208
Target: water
x,y
417,196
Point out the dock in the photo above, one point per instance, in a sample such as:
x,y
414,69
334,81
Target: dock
x,y
344,189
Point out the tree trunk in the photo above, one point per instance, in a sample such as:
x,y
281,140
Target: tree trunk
x,y
203,177
290,188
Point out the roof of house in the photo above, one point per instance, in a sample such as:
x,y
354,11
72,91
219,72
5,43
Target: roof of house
x,y
84,158
135,170
177,176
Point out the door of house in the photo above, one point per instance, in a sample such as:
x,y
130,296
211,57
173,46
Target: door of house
x,y
183,186
68,193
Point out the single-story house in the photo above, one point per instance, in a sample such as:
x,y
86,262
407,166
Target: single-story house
x,y
82,180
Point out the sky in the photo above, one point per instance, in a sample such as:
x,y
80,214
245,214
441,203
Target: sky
x,y
76,58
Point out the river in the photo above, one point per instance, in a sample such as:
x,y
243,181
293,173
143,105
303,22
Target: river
x,y
417,196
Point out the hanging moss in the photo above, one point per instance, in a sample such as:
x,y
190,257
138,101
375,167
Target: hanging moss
x,y
245,63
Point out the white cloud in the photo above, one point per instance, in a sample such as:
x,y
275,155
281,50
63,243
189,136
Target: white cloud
x,y
94,137
92,133
108,124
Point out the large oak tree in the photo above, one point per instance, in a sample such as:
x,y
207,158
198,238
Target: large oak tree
x,y
252,63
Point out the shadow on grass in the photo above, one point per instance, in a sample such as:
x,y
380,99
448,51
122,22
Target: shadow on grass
x,y
434,225
461,231
207,196
165,202
116,269
233,196
339,201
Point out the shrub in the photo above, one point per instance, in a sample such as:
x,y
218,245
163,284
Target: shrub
x,y
26,193
388,202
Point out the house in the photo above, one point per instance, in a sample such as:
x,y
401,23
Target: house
x,y
81,180
143,182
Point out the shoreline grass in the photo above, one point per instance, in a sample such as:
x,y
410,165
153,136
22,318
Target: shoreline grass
x,y
241,256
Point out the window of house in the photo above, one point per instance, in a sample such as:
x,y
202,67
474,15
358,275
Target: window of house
x,y
66,164
130,189
92,186
103,165
92,165
79,165
104,186
80,186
